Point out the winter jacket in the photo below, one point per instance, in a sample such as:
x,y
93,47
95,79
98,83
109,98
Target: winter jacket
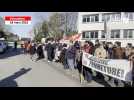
x,y
71,52
100,53
118,53
62,55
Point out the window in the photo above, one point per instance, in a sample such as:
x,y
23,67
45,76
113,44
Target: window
x,y
94,34
115,34
129,16
96,18
111,17
90,34
103,34
105,17
85,35
90,18
128,34
84,19
116,17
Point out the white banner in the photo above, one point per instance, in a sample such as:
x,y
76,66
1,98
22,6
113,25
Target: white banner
x,y
120,69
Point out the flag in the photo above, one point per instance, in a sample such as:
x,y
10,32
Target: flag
x,y
76,37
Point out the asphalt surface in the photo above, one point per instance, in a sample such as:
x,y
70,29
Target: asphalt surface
x,y
18,70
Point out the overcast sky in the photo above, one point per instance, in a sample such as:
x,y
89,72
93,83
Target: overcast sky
x,y
22,30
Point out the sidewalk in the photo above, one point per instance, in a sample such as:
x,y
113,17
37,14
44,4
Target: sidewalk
x,y
73,75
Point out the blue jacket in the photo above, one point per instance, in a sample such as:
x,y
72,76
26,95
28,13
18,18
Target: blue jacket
x,y
71,52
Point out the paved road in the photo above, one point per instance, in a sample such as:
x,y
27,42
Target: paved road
x,y
16,69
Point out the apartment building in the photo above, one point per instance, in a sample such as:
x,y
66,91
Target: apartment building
x,y
107,26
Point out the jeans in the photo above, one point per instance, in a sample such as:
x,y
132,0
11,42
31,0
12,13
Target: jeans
x,y
87,74
71,63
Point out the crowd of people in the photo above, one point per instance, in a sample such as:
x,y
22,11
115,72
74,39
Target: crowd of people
x,y
70,54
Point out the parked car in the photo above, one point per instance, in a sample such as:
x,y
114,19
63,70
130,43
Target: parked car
x,y
3,46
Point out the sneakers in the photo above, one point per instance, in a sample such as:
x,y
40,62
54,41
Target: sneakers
x,y
48,61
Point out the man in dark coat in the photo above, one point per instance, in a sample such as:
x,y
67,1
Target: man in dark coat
x,y
63,58
49,49
40,52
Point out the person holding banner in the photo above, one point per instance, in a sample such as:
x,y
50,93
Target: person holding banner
x,y
88,48
100,52
118,52
70,54
131,58
128,50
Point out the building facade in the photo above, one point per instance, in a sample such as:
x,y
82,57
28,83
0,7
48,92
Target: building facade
x,y
107,26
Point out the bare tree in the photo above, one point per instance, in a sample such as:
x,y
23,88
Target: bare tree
x,y
55,26
70,22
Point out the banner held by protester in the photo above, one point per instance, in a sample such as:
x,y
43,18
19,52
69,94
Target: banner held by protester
x,y
119,69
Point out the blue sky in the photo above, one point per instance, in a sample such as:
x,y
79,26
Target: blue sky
x,y
22,30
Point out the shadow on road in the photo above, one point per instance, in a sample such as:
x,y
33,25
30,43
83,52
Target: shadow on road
x,y
11,52
10,81
101,81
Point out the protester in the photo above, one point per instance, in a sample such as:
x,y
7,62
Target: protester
x,y
118,52
32,50
105,45
128,50
63,56
71,53
71,57
54,46
131,59
49,49
40,53
97,44
100,52
79,62
57,51
88,48
110,51
25,47
29,46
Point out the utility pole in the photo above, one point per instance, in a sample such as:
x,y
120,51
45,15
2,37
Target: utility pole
x,y
105,28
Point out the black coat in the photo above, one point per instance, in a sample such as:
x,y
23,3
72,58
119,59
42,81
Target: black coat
x,y
62,55
40,52
49,47
50,51
32,50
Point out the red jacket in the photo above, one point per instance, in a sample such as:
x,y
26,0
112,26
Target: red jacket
x,y
87,48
